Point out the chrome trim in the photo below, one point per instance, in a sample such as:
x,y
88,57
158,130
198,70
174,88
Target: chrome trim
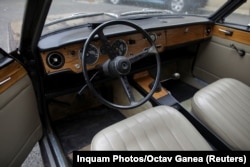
x,y
4,81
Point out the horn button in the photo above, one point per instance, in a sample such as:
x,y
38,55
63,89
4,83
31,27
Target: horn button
x,y
118,66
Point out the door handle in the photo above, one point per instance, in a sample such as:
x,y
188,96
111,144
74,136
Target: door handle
x,y
226,32
4,81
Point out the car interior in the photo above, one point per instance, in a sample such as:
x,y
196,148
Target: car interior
x,y
188,62
154,83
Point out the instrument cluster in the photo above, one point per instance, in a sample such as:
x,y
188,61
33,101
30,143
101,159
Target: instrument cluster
x,y
119,47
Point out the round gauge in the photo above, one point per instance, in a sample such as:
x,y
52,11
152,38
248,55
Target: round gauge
x,y
92,55
120,47
153,36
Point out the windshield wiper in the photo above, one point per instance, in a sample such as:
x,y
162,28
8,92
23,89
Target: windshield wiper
x,y
148,12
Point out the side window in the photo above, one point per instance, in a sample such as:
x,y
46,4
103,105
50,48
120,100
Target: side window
x,y
241,16
11,13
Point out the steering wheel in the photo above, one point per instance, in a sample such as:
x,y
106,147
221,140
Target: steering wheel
x,y
119,66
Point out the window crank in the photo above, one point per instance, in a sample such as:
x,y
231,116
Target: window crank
x,y
241,52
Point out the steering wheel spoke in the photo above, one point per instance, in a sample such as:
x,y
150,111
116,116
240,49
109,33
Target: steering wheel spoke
x,y
106,44
84,87
143,54
127,89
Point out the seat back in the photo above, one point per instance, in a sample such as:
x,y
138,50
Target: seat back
x,y
224,107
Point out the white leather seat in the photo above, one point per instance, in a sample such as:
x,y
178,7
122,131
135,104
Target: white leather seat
x,y
224,106
159,128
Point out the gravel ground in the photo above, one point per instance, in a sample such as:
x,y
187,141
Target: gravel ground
x,y
34,158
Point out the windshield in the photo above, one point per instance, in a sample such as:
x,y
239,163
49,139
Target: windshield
x,y
67,13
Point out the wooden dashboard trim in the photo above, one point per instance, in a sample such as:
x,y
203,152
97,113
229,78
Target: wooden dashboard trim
x,y
144,79
164,38
237,35
176,36
11,74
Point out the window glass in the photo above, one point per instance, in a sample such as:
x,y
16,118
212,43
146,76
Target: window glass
x,y
241,16
88,11
10,20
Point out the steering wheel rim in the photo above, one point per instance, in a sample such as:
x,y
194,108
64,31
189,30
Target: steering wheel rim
x,y
123,77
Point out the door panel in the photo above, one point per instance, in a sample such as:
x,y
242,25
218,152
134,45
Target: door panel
x,y
217,59
20,125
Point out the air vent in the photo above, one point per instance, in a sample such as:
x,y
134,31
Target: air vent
x,y
55,60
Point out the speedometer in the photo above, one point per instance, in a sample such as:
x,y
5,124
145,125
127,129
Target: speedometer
x,y
92,55
120,47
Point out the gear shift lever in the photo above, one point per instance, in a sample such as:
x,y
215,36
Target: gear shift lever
x,y
175,76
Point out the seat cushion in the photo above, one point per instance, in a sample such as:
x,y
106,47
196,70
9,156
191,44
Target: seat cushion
x,y
158,128
224,106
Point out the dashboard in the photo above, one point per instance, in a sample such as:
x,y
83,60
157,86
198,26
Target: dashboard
x,y
68,56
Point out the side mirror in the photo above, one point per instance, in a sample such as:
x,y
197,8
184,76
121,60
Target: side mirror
x,y
5,59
